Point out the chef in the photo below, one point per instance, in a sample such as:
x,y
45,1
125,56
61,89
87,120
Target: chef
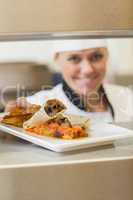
x,y
83,65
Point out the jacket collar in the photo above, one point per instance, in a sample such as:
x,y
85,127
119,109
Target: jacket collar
x,y
78,101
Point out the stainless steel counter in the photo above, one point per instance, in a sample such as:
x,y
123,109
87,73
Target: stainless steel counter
x,y
29,172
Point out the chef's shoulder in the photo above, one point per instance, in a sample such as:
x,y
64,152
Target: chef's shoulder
x,y
118,88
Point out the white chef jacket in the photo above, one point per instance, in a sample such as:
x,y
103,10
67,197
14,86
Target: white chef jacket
x,y
120,98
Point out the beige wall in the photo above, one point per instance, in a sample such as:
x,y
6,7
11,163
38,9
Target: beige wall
x,y
65,15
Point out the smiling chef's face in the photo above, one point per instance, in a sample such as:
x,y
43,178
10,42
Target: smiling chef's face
x,y
83,70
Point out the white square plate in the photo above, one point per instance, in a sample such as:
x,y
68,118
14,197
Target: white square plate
x,y
101,134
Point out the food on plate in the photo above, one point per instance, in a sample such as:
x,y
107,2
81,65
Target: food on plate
x,y
17,120
19,114
59,127
53,106
50,119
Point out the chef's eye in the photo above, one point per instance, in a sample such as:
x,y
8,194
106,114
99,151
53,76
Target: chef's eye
x,y
95,57
74,59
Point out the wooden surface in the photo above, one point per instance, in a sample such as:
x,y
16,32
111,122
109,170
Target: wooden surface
x,y
28,172
62,15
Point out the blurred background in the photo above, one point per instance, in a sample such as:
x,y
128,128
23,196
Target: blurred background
x,y
26,67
